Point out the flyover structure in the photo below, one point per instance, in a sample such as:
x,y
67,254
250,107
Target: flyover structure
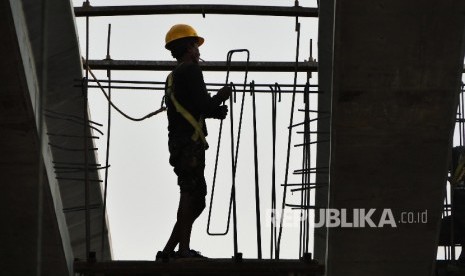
x,y
43,227
396,77
392,72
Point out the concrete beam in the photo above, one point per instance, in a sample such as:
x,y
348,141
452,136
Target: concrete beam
x,y
63,68
397,68
19,158
20,151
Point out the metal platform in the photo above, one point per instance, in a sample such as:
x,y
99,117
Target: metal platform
x,y
200,267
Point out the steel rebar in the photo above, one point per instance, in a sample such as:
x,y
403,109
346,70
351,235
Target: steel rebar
x,y
257,186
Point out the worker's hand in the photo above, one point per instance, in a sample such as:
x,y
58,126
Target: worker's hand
x,y
221,112
224,93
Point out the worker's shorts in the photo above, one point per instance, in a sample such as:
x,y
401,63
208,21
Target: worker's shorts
x,y
188,159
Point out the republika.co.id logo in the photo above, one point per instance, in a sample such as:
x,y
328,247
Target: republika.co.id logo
x,y
351,218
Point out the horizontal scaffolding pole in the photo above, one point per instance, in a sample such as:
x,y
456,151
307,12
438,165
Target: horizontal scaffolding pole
x,y
254,66
158,85
208,89
208,84
195,9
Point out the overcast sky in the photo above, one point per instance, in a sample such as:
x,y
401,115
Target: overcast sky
x,y
142,190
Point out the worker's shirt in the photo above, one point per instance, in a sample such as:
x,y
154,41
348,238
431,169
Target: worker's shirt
x,y
191,92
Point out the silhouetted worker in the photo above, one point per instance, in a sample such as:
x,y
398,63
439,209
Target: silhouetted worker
x,y
188,105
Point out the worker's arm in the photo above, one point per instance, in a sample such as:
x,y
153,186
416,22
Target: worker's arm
x,y
203,102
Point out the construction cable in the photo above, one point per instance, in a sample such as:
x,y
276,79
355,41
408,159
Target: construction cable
x,y
161,109
289,140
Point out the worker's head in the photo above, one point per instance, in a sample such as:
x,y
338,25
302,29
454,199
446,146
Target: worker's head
x,y
182,40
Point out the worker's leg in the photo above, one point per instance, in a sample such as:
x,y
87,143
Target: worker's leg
x,y
194,205
188,160
179,226
190,208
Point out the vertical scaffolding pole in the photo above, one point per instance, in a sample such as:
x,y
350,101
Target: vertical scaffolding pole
x,y
325,59
257,187
302,196
107,157
307,178
289,140
86,161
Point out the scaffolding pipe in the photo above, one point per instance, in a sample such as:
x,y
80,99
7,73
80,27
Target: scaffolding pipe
x,y
154,88
195,9
107,155
162,83
289,139
86,161
308,165
237,66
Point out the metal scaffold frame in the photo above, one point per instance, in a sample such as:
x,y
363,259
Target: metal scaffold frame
x,y
274,89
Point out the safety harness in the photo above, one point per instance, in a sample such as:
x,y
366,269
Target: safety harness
x,y
197,125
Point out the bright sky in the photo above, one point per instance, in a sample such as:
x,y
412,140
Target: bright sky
x,y
142,190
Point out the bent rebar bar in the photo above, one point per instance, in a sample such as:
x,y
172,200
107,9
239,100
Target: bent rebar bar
x,y
234,155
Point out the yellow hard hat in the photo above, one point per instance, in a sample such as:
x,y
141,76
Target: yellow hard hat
x,y
181,31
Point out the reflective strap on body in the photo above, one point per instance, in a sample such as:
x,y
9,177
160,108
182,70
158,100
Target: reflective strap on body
x,y
198,131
